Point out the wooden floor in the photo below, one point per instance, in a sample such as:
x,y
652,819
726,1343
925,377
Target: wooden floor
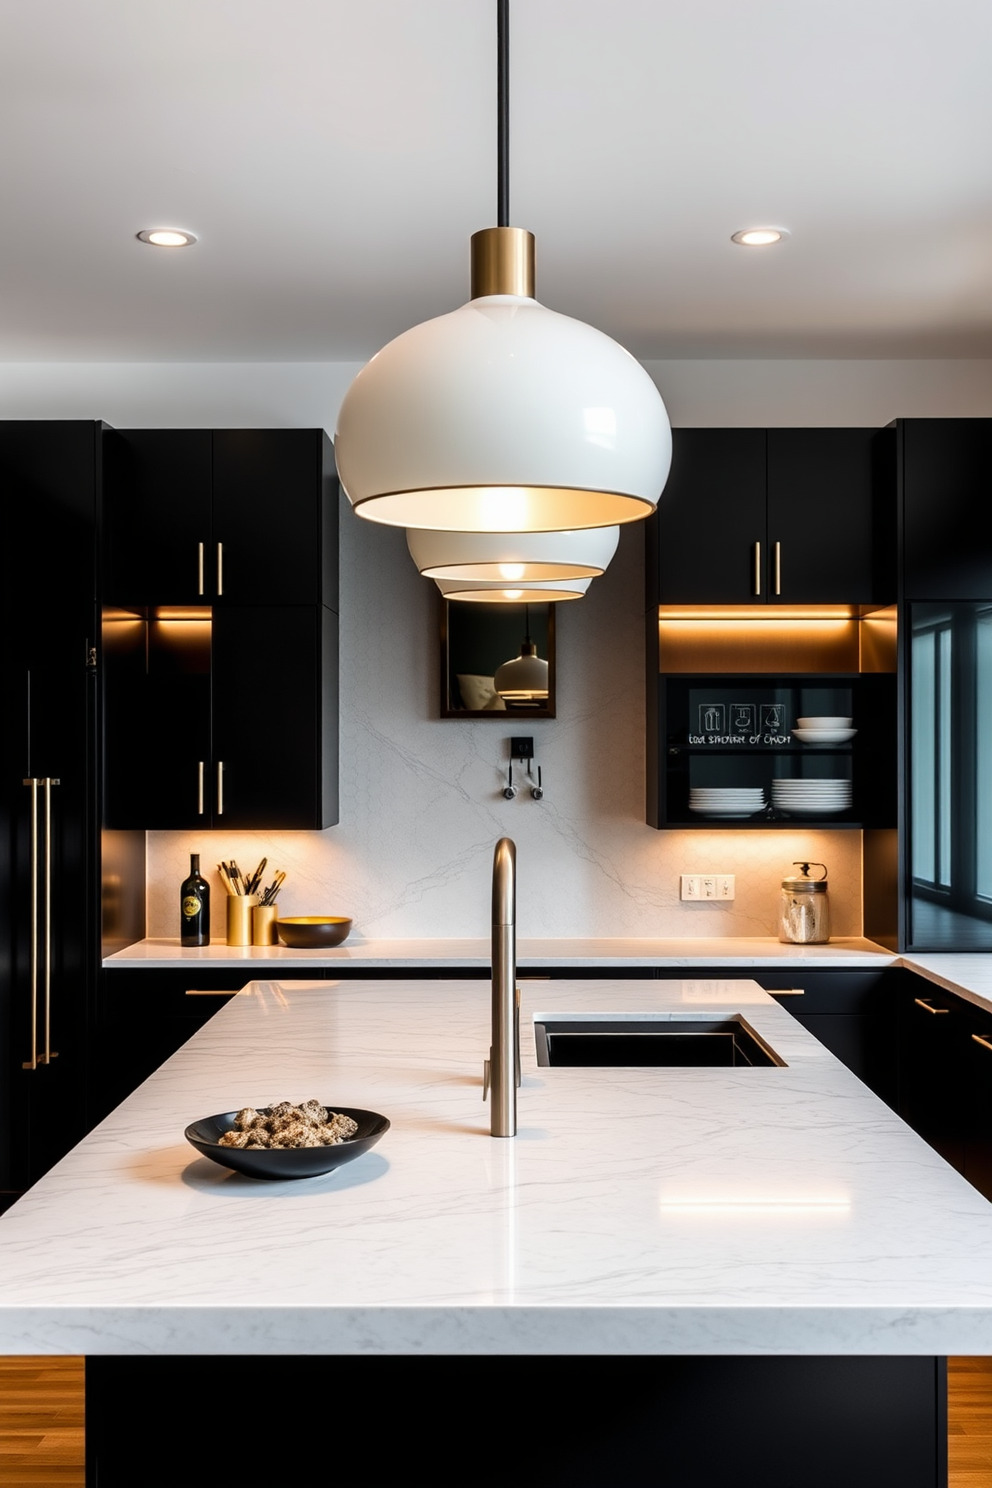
x,y
42,1405
969,1423
41,1423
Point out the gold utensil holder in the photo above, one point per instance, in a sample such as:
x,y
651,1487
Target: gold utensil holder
x,y
239,908
263,924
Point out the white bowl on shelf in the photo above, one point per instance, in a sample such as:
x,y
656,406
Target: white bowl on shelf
x,y
824,735
826,722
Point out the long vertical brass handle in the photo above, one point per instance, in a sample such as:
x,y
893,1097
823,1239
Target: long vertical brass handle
x,y
220,787
200,547
778,568
199,793
757,568
49,1053
220,568
32,1063
979,1040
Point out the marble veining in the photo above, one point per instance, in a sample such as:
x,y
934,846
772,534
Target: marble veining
x,y
697,1211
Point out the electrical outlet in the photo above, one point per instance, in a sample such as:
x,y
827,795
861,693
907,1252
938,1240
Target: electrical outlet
x,y
522,748
703,887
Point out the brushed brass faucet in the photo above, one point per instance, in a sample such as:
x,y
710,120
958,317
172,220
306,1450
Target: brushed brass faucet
x,y
502,1068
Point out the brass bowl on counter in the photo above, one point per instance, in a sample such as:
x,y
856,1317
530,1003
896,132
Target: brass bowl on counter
x,y
313,932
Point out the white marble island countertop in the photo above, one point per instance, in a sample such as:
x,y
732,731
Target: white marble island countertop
x,y
685,1211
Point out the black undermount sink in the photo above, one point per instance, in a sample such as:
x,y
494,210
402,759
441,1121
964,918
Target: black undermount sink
x,y
704,1042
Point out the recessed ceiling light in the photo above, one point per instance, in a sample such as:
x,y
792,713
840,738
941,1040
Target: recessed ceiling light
x,y
758,237
167,237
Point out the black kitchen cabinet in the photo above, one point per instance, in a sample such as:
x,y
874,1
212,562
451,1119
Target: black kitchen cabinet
x,y
220,517
943,476
49,782
776,516
220,629
229,721
945,1076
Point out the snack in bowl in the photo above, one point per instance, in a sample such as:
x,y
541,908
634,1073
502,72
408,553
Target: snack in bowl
x,y
285,1125
286,1140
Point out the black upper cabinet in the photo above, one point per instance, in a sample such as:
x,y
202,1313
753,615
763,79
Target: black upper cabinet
x,y
776,516
710,518
944,467
224,516
221,591
821,516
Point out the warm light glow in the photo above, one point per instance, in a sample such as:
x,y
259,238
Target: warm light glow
x,y
166,237
756,613
759,237
182,612
528,557
502,508
512,593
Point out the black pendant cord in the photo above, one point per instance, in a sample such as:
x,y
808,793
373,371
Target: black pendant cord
x,y
502,113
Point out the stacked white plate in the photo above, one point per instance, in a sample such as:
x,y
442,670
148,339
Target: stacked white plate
x,y
824,730
811,797
717,800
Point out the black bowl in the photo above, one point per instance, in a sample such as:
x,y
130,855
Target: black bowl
x,y
313,932
285,1162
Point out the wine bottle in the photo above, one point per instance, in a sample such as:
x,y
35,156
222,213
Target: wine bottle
x,y
194,906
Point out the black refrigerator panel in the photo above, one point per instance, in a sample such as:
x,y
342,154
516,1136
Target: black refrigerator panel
x,y
48,799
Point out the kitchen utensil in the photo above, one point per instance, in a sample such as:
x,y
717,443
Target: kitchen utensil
x,y
804,907
285,1162
239,908
825,721
313,932
263,925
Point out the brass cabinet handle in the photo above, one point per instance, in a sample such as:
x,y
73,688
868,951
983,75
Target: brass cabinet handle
x,y
220,568
927,1008
778,568
32,1063
220,787
200,547
757,568
48,1055
984,1042
199,791
41,943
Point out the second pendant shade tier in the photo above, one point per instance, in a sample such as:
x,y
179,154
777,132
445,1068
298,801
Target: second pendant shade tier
x,y
514,557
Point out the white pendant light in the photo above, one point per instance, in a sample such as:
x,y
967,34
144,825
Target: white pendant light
x,y
543,591
503,416
521,557
524,679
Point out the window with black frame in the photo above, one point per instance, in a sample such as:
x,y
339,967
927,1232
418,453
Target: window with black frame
x,y
950,776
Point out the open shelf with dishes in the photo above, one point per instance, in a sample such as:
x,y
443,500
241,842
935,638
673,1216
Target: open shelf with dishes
x,y
735,753
774,723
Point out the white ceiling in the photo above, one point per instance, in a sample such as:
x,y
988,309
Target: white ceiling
x,y
334,155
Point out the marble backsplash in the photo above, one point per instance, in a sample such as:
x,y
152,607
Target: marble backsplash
x,y
421,803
